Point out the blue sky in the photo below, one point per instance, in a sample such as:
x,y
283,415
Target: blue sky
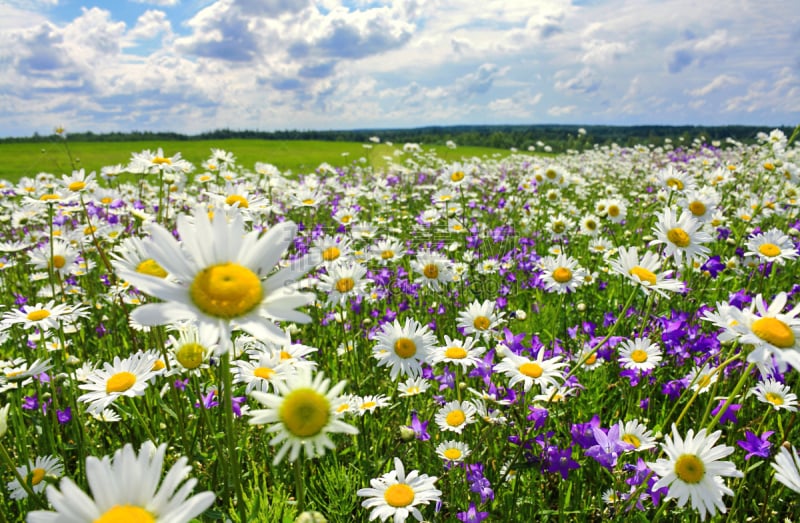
x,y
196,65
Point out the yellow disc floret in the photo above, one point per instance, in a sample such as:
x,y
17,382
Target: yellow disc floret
x,y
305,412
774,331
227,290
689,468
399,495
126,514
405,348
679,237
120,382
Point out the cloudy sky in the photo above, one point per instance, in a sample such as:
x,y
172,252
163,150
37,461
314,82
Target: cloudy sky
x,y
197,65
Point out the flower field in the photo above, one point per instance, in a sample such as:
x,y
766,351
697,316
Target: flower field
x,y
606,334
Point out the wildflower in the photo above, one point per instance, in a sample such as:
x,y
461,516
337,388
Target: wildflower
x,y
539,371
681,236
263,371
692,470
644,271
43,316
481,318
472,514
776,394
453,451
396,495
219,273
301,414
562,274
34,474
344,280
787,468
463,353
434,269
608,446
772,246
640,354
636,435
124,377
756,445
403,348
126,488
702,377
413,386
771,332
419,427
455,416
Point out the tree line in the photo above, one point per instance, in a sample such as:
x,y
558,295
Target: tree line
x,y
558,138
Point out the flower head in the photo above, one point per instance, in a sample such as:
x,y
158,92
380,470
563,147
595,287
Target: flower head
x,y
396,495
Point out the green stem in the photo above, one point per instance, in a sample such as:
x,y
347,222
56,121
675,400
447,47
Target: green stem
x,y
22,481
234,465
733,394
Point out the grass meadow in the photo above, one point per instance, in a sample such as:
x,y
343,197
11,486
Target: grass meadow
x,y
280,332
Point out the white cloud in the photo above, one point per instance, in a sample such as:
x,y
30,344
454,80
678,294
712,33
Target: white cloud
x,y
718,82
600,52
159,3
562,110
149,25
585,81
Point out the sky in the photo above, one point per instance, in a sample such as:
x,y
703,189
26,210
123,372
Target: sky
x,y
192,66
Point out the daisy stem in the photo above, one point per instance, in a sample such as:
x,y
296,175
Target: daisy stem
x,y
234,465
736,390
299,485
22,481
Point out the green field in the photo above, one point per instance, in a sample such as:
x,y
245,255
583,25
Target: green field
x,y
29,159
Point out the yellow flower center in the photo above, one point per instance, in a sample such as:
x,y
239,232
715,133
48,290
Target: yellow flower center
x,y
455,418
532,370
643,274
309,201
431,271
405,348
559,227
697,208
37,475
331,253
455,353
590,225
237,198
452,454
562,275
227,290
551,174
158,365
775,399
679,237
774,331
675,183
49,197
120,382
76,186
703,381
591,359
345,285
639,356
613,211
305,412
387,254
106,200
285,355
399,495
38,315
769,166
770,250
126,514
346,219
481,323
152,268
689,468
160,160
264,373
457,176
630,439
59,261
190,355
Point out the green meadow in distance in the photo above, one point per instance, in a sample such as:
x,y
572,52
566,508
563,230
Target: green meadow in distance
x,y
29,159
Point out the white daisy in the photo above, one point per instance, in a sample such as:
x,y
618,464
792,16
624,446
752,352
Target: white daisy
x,y
776,394
481,318
463,353
34,475
453,451
455,415
219,271
126,488
692,470
774,334
413,386
530,372
263,371
403,348
301,415
639,353
344,280
561,273
787,468
637,435
128,377
772,246
433,268
681,237
644,271
396,495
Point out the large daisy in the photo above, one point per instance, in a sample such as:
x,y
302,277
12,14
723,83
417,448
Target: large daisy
x,y
692,470
301,415
403,348
772,332
681,236
126,488
223,277
645,271
396,495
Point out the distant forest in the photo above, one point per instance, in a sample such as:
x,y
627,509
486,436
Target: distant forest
x,y
558,137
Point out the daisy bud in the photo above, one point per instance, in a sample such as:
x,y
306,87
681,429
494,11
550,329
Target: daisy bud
x,y
581,307
311,517
520,315
4,419
406,433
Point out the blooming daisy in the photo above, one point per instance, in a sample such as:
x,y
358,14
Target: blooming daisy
x,y
364,404
403,348
561,273
772,246
148,162
126,488
463,353
263,371
681,236
34,474
701,203
644,271
539,371
219,272
481,318
301,415
62,259
42,316
787,468
692,470
433,268
702,377
776,394
614,209
772,333
640,354
387,251
128,377
637,435
413,386
344,280
453,451
674,180
455,415
396,495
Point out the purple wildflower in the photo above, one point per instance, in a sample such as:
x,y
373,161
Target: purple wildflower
x,y
755,445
